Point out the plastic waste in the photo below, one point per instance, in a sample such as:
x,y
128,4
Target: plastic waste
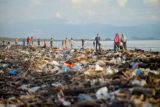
x,y
66,103
113,60
124,57
138,72
67,69
54,63
101,63
147,105
115,70
143,82
60,96
13,72
109,71
1,72
34,89
136,82
67,57
4,65
98,68
139,83
77,67
56,84
113,94
24,87
154,72
59,71
134,65
133,74
55,69
68,65
83,97
102,93
8,105
118,60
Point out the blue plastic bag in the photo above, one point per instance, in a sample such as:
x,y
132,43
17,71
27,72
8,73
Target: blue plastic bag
x,y
13,72
84,97
65,68
139,72
77,67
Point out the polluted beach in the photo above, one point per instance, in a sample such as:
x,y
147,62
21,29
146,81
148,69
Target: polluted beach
x,y
79,53
37,76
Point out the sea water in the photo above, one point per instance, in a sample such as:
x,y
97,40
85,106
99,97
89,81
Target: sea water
x,y
147,45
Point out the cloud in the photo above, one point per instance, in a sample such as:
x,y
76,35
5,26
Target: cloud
x,y
121,3
89,13
77,2
81,11
81,2
57,14
154,18
36,2
152,2
96,1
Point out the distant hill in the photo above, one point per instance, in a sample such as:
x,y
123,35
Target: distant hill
x,y
59,30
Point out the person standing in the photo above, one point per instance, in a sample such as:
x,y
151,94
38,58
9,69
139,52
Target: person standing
x,y
38,42
27,40
97,39
72,43
31,40
66,43
8,45
116,42
45,44
24,42
82,43
124,41
51,42
3,42
62,44
17,40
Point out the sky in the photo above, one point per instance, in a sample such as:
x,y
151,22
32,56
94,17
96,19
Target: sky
x,y
74,18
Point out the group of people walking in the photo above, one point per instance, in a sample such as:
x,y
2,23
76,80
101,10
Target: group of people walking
x,y
67,42
120,42
30,42
45,42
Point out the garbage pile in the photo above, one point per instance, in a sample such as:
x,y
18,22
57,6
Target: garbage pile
x,y
34,76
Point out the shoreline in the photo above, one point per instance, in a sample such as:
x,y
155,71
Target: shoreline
x,y
78,46
13,39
